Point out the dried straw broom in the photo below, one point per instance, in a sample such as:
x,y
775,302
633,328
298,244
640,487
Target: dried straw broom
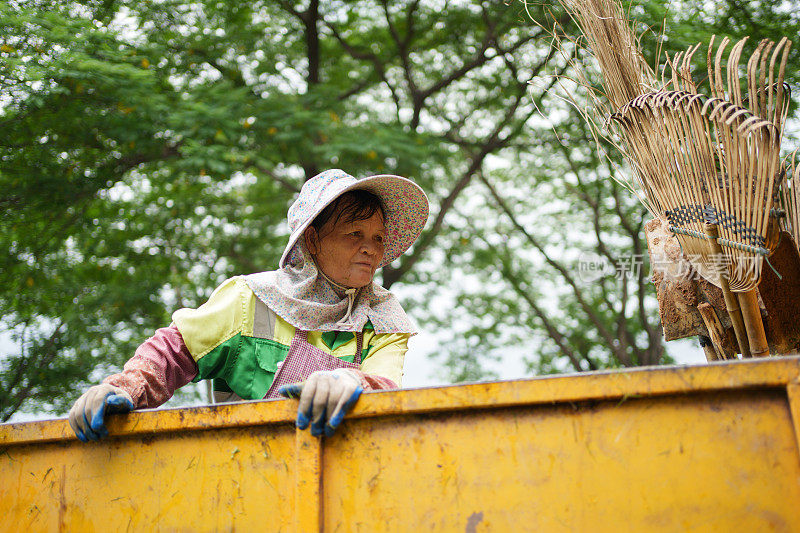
x,y
705,162
709,164
712,167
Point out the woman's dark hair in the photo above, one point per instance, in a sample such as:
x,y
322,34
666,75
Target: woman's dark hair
x,y
349,207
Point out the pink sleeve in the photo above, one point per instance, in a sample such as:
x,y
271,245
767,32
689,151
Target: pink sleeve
x,y
160,365
374,382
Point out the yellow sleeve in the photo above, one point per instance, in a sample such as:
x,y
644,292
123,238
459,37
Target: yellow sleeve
x,y
224,315
386,355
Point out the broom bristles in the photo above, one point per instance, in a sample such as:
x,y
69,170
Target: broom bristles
x,y
790,197
697,158
608,32
706,160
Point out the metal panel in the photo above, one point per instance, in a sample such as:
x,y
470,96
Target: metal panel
x,y
192,480
712,462
702,448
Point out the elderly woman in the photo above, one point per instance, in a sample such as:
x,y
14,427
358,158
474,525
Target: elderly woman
x,y
318,328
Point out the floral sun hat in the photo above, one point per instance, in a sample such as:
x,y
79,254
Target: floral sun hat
x,y
404,203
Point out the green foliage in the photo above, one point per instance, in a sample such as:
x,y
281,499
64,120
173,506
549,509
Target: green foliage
x,y
152,149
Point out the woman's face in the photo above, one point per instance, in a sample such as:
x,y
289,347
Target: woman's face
x,y
348,252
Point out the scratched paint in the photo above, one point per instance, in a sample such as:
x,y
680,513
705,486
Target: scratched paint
x,y
473,521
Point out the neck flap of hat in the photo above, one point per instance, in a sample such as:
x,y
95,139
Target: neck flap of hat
x,y
303,296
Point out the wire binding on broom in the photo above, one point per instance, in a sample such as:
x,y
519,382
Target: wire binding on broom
x,y
725,242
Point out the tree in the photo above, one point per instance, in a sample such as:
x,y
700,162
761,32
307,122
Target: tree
x,y
154,148
555,203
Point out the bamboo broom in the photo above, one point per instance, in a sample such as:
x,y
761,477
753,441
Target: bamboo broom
x,y
790,197
700,159
707,163
611,40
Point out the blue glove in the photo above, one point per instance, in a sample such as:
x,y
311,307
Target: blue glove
x,y
87,415
325,397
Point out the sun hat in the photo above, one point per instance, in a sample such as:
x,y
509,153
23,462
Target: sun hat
x,y
405,209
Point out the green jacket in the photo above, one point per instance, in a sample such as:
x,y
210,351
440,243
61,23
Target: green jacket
x,y
238,341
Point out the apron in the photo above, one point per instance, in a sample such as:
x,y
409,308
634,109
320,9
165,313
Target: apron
x,y
303,359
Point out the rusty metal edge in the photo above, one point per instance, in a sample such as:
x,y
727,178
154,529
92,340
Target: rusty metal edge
x,y
606,385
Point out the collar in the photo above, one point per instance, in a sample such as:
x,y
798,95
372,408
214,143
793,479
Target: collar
x,y
302,295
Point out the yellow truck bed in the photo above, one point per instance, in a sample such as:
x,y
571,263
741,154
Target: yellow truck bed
x,y
705,448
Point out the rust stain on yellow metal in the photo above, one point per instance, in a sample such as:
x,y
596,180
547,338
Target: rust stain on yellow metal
x,y
710,448
191,480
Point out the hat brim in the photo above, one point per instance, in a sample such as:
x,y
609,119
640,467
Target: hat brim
x,y
405,213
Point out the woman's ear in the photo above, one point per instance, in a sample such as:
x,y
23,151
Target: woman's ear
x,y
312,240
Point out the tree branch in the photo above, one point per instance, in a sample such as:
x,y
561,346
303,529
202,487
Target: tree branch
x,y
590,312
364,56
310,18
552,331
22,394
402,48
391,275
283,182
287,6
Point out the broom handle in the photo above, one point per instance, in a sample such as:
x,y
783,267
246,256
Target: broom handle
x,y
753,323
731,302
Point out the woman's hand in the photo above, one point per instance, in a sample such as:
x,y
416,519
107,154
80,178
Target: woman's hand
x,y
325,397
87,415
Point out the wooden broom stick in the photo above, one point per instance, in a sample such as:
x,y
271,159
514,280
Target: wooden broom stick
x,y
753,323
731,302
